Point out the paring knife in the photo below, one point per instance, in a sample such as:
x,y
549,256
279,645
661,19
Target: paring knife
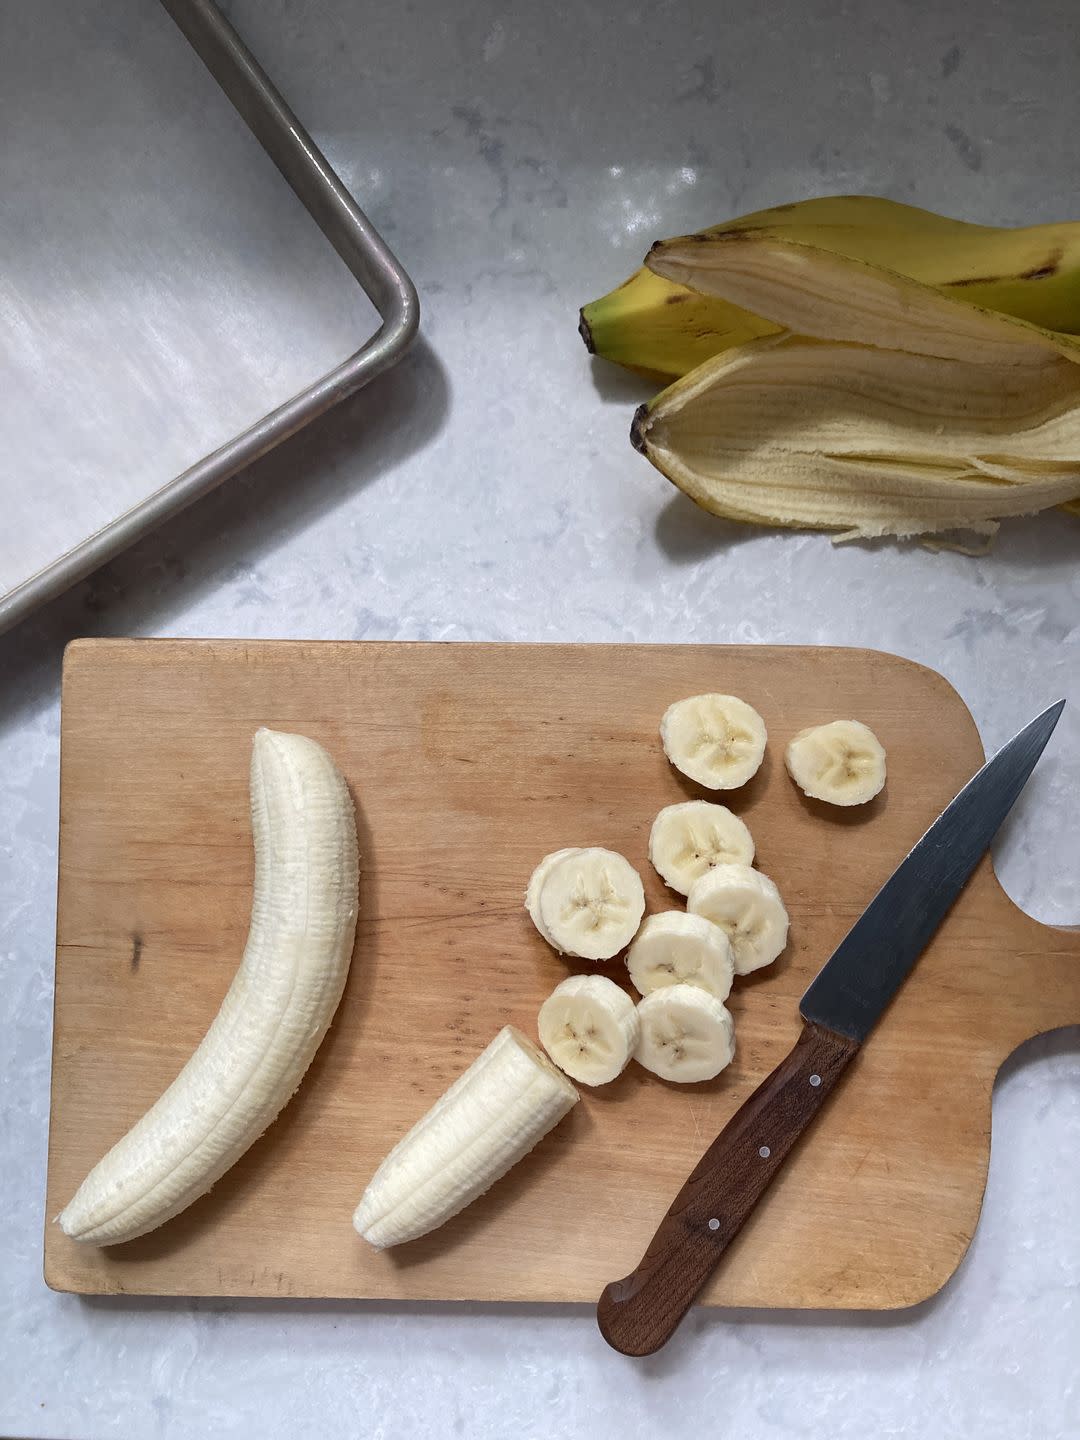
x,y
639,1314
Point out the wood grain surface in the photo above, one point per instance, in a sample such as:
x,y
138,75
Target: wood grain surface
x,y
468,763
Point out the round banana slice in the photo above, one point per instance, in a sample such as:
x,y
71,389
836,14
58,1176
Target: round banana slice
x,y
536,884
687,840
590,1028
718,740
747,906
842,762
674,948
686,1034
591,904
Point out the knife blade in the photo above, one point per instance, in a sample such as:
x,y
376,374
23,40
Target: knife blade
x,y
877,954
637,1315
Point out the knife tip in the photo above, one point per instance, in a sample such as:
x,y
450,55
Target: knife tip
x,y
1042,727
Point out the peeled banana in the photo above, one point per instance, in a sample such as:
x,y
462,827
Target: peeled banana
x,y
586,902
589,1027
654,324
674,948
536,883
687,839
273,1017
491,1116
717,740
889,409
842,762
747,907
687,1035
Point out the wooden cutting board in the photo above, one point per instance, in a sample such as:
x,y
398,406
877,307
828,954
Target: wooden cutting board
x,y
468,763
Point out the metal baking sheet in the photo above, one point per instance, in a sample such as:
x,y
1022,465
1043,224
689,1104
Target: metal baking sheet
x,y
168,308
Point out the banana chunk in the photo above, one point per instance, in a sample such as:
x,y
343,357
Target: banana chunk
x,y
274,1014
590,1028
686,1034
591,904
717,740
687,840
842,762
505,1102
536,884
747,906
674,948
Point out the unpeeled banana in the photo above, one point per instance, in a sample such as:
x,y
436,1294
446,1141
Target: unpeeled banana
x,y
273,1016
885,408
658,326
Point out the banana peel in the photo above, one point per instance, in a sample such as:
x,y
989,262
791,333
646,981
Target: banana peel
x,y
662,329
879,405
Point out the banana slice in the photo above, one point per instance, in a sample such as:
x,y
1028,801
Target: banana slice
x,y
536,884
842,762
747,906
591,904
686,1034
492,1115
589,1027
688,839
718,740
674,948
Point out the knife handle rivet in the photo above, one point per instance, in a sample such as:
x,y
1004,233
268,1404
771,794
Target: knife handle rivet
x,y
764,1152
714,1224
815,1080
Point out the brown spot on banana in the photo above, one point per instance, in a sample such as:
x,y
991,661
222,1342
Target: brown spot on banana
x,y
974,280
585,331
638,428
1049,267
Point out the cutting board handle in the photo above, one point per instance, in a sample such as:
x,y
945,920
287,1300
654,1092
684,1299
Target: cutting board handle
x,y
639,1314
1045,993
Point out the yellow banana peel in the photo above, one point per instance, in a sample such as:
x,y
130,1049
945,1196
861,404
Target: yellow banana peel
x,y
658,327
879,405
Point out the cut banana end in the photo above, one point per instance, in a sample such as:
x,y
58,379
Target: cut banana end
x,y
506,1101
674,948
842,762
536,884
688,839
590,1028
686,1034
591,904
717,740
748,908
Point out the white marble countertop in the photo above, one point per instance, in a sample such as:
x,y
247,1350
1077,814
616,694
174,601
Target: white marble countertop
x,y
520,159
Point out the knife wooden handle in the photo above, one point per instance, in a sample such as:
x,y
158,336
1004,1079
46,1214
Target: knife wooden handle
x,y
639,1314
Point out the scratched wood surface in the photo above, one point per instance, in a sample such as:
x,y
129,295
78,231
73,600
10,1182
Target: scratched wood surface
x,y
468,763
